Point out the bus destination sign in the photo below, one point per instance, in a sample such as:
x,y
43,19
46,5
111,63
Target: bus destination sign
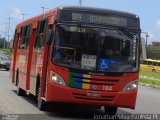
x,y
109,20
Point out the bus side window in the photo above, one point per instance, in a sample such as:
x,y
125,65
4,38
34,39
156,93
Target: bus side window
x,y
155,64
22,41
150,63
41,33
145,62
13,44
25,37
28,35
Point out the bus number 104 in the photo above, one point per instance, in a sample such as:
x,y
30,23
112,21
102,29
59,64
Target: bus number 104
x,y
107,88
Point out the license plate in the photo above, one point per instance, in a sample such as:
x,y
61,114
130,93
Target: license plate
x,y
93,94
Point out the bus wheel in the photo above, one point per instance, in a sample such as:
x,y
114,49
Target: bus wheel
x,y
41,102
20,92
110,110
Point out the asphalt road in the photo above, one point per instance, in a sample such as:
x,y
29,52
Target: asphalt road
x,y
25,107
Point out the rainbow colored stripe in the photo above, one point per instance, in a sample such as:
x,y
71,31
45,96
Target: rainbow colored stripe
x,y
77,80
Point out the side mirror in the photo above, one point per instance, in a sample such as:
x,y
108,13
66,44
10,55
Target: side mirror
x,y
49,36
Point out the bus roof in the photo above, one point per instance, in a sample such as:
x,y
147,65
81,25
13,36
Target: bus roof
x,y
38,17
76,8
101,10
151,60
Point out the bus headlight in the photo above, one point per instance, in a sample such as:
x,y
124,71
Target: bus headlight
x,y
133,85
54,77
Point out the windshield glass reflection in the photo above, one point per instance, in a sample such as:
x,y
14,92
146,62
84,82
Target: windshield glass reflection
x,y
96,49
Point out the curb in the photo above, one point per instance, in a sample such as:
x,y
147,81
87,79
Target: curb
x,y
148,85
149,78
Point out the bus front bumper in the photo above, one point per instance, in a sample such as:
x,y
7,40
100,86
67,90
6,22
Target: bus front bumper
x,y
58,93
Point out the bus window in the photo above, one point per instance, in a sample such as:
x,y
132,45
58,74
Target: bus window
x,y
15,34
72,45
27,41
21,43
154,63
149,63
41,33
145,62
25,37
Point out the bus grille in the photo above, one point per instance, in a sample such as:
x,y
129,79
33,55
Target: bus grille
x,y
85,97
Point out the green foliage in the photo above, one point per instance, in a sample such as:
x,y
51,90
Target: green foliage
x,y
151,75
149,78
151,82
2,41
153,52
7,52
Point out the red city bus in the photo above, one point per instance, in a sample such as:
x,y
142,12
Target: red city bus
x,y
78,55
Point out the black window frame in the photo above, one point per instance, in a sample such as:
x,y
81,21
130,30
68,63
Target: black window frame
x,y
25,36
14,40
41,33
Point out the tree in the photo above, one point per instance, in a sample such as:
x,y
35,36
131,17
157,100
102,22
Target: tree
x,y
153,51
2,41
155,43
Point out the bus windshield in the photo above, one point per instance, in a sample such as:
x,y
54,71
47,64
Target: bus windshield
x,y
97,49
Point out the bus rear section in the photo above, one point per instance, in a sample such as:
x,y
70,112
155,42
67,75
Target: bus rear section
x,y
90,57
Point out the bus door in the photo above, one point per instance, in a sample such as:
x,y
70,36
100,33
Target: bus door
x,y
13,57
23,55
29,58
39,57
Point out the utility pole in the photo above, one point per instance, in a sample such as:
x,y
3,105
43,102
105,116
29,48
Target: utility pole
x,y
147,35
23,14
146,39
9,23
43,10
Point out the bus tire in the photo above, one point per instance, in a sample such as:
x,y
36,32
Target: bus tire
x,y
20,92
41,103
110,110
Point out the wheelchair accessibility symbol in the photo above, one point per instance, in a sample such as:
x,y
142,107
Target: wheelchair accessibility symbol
x,y
104,64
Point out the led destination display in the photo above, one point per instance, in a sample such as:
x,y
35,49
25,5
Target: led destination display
x,y
99,18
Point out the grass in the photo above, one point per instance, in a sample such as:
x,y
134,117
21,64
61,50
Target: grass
x,y
151,82
150,78
7,52
150,75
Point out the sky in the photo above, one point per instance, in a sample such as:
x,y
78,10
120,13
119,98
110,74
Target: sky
x,y
147,10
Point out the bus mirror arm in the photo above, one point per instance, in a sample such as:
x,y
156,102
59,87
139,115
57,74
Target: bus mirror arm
x,y
49,36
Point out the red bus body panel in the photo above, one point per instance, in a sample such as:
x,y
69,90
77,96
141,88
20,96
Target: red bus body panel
x,y
58,93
